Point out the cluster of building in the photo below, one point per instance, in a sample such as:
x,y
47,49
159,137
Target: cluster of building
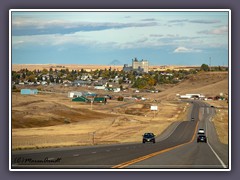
x,y
202,97
138,66
191,96
87,97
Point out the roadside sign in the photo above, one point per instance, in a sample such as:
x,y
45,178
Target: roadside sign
x,y
154,108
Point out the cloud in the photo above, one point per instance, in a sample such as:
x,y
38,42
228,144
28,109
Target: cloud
x,y
21,28
18,42
205,21
198,21
149,19
217,31
156,35
178,21
185,50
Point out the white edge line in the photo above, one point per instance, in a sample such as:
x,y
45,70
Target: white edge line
x,y
219,159
224,166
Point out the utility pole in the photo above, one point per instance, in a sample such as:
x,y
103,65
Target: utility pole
x,y
210,63
91,103
93,137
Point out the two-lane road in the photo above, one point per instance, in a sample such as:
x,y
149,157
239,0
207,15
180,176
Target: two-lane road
x,y
165,153
211,155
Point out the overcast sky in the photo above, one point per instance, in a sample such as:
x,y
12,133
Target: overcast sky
x,y
163,38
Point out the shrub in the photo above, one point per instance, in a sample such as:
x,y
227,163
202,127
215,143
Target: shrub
x,y
120,98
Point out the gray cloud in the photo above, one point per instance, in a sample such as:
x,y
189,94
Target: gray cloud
x,y
62,27
149,19
198,21
205,21
156,35
178,21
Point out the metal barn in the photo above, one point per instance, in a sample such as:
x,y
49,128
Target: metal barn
x,y
29,91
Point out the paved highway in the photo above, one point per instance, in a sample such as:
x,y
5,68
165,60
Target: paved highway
x,y
211,155
175,148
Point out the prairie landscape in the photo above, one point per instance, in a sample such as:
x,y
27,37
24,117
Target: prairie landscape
x,y
31,67
53,120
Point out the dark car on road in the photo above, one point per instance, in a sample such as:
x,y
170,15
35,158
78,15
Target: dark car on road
x,y
202,138
148,137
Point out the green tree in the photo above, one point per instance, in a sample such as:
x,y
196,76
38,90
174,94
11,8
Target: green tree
x,y
140,83
51,71
44,71
31,78
121,88
204,67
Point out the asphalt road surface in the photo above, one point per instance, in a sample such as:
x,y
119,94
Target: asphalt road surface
x,y
175,148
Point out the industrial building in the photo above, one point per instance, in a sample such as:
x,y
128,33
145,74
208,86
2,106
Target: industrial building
x,y
138,66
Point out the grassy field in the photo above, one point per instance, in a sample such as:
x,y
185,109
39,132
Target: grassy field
x,y
45,120
220,120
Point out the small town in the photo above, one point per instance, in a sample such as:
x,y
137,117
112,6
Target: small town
x,y
134,79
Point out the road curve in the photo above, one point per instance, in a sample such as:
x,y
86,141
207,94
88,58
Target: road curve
x,y
211,155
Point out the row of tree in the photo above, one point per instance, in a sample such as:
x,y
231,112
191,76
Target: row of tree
x,y
138,80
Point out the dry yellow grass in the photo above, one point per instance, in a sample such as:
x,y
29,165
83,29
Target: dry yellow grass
x,y
221,120
38,121
31,67
207,83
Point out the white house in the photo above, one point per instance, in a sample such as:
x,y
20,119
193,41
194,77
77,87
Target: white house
x,y
116,90
74,93
190,96
99,87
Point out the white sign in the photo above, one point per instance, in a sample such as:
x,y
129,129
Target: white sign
x,y
154,108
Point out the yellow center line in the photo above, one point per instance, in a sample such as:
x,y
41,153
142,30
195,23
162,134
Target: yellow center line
x,y
128,163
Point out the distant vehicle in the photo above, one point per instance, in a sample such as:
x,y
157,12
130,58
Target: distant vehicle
x,y
201,131
192,119
202,138
148,137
